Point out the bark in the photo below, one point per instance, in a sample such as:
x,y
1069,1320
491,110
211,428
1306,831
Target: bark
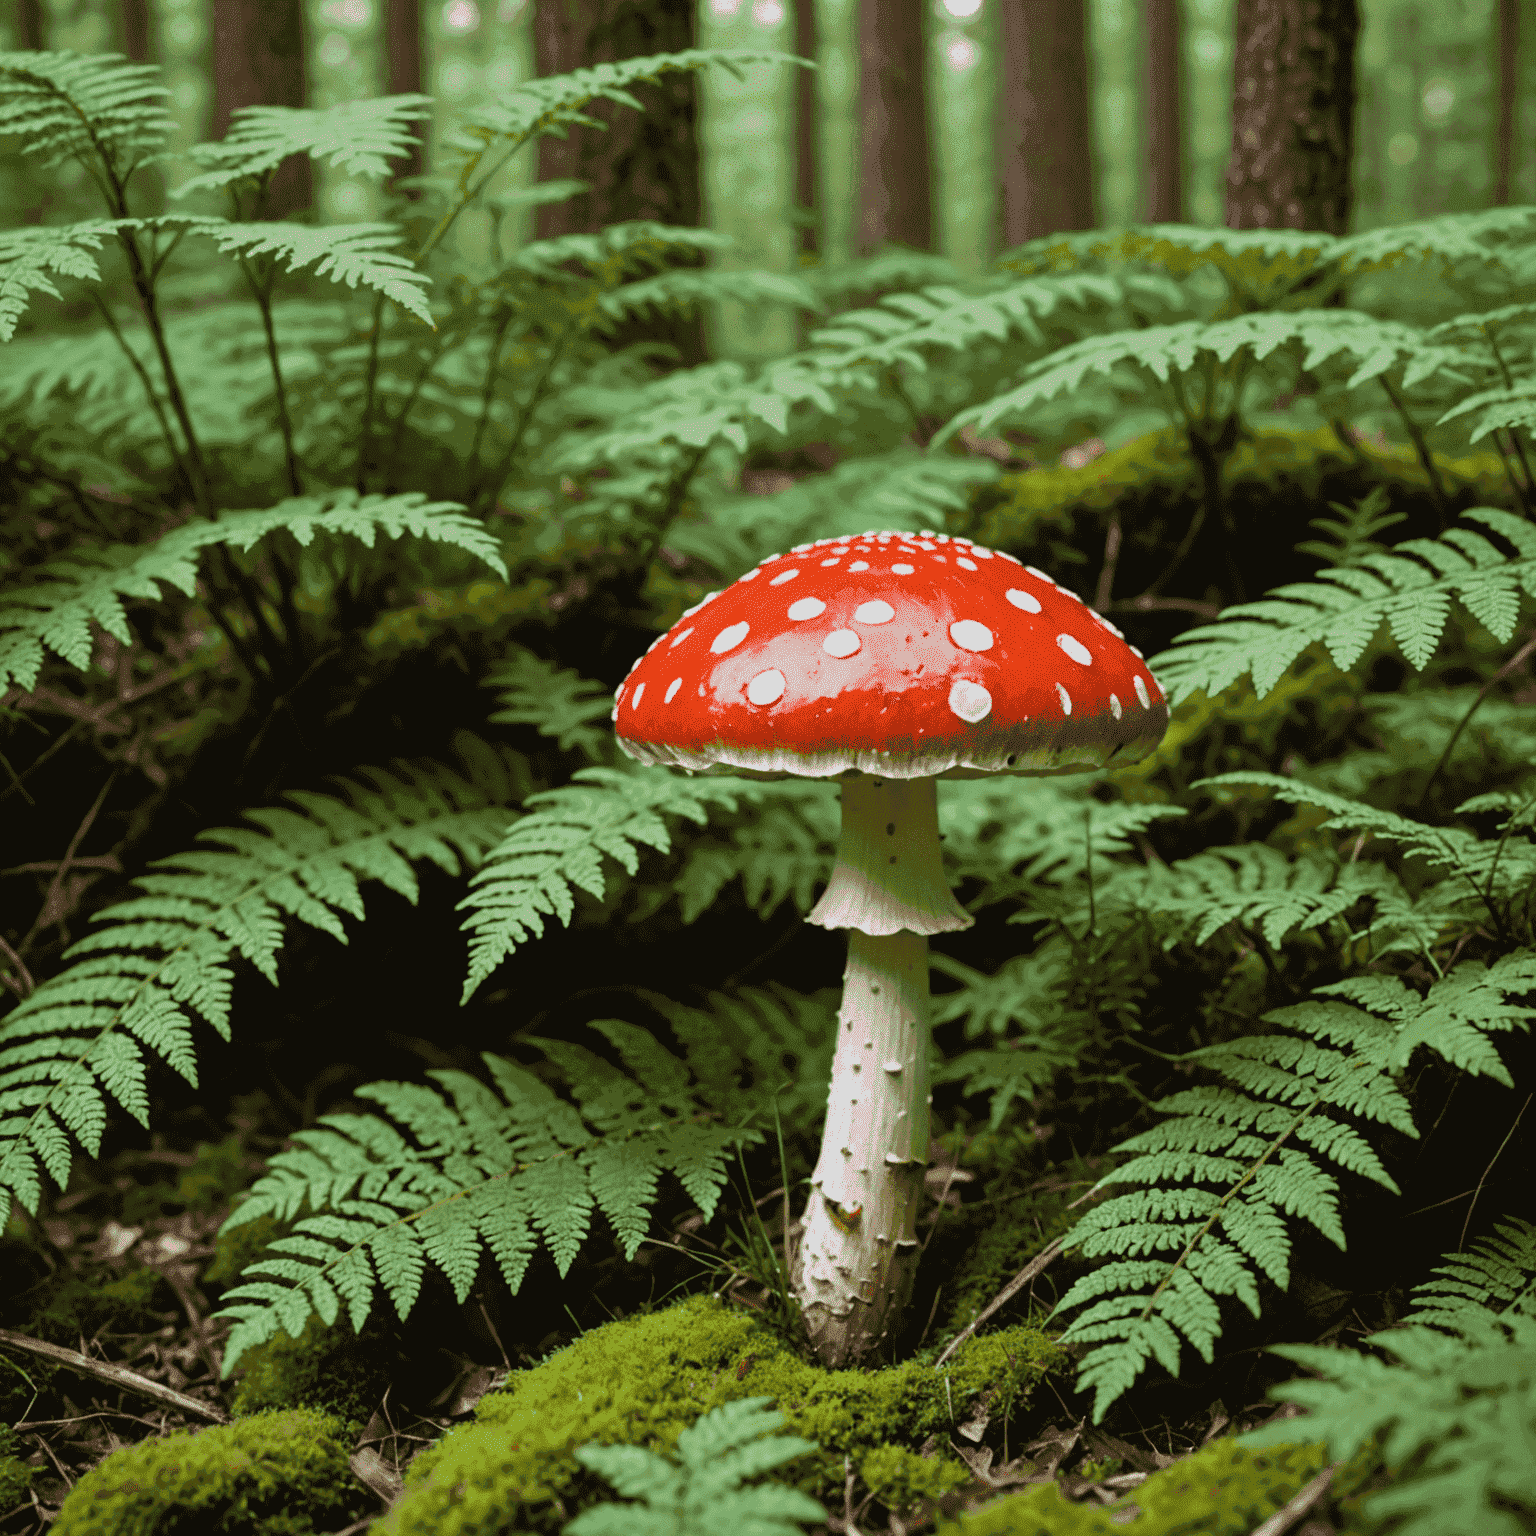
x,y
29,26
402,56
1293,111
1163,95
1509,86
258,60
895,178
133,29
1044,146
646,165
806,179
857,1256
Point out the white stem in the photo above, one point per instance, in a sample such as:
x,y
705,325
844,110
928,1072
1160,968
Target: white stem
x,y
858,1251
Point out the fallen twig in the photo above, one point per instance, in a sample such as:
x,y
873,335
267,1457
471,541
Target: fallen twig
x,y
1035,1267
1292,1511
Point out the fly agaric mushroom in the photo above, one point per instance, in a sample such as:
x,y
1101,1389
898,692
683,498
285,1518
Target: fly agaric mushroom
x,y
887,661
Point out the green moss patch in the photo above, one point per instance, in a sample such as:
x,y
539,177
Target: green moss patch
x,y
644,1380
329,1369
277,1474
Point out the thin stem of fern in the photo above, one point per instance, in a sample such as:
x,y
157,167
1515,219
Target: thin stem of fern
x,y
1509,383
490,488
1482,693
1421,448
778,1130
262,293
422,375
1501,845
487,395
370,383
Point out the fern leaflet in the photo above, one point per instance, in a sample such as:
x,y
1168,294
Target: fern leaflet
x,y
1497,1275
66,105
28,257
557,701
704,1495
166,955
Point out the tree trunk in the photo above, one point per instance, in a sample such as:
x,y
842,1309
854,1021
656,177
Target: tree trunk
x,y
258,60
646,166
1293,111
133,29
1509,86
806,193
1044,148
1163,95
402,54
895,196
29,26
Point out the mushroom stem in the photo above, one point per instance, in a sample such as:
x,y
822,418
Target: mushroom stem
x,y
858,1248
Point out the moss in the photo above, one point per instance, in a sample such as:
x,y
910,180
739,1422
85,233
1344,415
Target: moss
x,y
1222,1490
278,1474
330,1369
241,1246
899,1477
15,1474
67,1306
645,1379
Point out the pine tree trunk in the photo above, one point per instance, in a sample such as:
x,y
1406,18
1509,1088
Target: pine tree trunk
x,y
29,26
1044,150
1293,111
807,178
895,192
1163,95
133,29
1508,23
258,60
646,166
402,56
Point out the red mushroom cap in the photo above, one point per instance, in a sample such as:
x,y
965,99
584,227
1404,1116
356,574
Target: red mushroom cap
x,y
897,654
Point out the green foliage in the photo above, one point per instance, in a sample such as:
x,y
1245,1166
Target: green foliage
x,y
704,1494
27,256
557,701
66,106
509,1172
1495,1276
166,956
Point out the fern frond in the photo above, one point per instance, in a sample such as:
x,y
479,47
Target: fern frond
x,y
54,613
1496,1275
28,256
1483,236
557,701
359,138
559,844
510,1168
163,957
704,1495
64,106
634,245
358,255
683,288
1408,589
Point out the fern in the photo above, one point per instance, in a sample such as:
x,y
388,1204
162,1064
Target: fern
x,y
163,957
358,255
704,1495
509,1171
1232,1161
29,256
359,138
1451,1410
1408,589
560,844
54,613
557,701
96,108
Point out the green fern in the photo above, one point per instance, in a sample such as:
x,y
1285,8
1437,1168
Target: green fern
x,y
557,701
1408,589
96,109
358,138
1450,1412
358,255
559,846
163,957
1232,1161
54,613
510,1171
1350,537
703,1496
29,256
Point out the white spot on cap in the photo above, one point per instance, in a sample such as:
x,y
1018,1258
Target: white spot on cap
x,y
1022,599
980,553
1137,654
800,549
841,642
967,565
1141,693
874,613
1075,649
782,577
766,687
733,635
634,703
678,639
807,608
618,697
1034,570
970,701
1066,699
902,570
1114,706
1003,554
859,565
826,563
672,688
755,571
971,636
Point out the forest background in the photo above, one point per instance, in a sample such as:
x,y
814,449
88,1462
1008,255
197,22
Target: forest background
x,y
1360,231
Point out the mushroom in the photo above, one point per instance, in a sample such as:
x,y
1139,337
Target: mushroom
x,y
886,661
